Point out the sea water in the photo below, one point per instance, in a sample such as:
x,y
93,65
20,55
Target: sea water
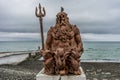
x,y
101,51
93,51
9,46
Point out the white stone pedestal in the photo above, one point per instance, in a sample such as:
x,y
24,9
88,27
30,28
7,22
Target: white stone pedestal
x,y
42,76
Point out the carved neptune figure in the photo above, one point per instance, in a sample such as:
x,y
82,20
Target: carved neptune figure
x,y
63,47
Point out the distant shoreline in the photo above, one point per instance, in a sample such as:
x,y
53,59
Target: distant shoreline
x,y
82,60
40,41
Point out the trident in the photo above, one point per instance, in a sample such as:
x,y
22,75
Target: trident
x,y
41,15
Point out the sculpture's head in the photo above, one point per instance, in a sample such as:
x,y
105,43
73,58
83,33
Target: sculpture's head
x,y
61,18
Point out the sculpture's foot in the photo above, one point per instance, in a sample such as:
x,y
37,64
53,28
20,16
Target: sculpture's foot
x,y
49,71
63,72
78,72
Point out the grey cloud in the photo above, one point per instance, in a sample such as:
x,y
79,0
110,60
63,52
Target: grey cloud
x,y
92,16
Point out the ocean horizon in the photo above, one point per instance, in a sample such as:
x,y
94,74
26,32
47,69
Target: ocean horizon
x,y
108,51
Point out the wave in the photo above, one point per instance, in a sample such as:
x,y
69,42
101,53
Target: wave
x,y
103,60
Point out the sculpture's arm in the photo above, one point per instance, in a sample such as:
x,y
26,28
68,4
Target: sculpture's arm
x,y
78,40
49,39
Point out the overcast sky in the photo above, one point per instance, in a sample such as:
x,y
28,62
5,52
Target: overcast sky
x,y
97,20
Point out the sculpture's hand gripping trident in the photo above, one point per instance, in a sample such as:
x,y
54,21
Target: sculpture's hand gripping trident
x,y
41,15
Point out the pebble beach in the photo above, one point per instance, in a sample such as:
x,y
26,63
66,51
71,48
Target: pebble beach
x,y
28,69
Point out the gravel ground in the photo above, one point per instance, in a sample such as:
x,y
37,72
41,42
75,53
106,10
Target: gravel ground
x,y
28,69
101,71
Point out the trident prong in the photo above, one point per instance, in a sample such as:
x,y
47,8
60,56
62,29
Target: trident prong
x,y
40,8
41,15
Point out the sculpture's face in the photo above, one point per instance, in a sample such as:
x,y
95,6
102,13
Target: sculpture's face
x,y
62,18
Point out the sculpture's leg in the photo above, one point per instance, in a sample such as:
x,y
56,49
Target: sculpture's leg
x,y
57,63
64,71
73,63
49,66
74,67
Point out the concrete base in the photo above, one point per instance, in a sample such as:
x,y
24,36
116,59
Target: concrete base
x,y
42,76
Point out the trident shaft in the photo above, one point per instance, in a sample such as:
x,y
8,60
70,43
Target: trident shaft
x,y
41,15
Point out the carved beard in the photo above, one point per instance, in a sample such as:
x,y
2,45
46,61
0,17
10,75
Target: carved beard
x,y
62,21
